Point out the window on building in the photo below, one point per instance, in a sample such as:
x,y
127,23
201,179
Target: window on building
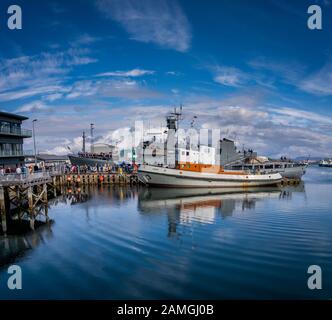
x,y
5,126
15,128
17,149
6,149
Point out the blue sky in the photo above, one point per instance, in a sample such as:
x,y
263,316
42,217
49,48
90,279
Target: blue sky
x,y
253,69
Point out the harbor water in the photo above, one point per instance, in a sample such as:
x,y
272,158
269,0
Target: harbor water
x,y
117,242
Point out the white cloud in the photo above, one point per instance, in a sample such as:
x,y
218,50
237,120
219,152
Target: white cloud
x,y
28,76
230,77
295,115
131,73
120,88
28,92
85,39
151,21
172,73
32,107
319,83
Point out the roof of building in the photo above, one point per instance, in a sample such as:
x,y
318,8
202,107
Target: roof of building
x,y
12,115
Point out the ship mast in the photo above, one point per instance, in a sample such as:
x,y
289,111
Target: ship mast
x,y
83,138
91,133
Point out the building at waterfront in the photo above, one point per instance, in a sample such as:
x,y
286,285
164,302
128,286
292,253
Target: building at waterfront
x,y
11,139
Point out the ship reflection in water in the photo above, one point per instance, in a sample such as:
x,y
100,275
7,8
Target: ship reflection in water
x,y
184,206
150,243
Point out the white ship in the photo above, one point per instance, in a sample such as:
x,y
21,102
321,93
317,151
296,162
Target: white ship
x,y
196,167
152,152
204,176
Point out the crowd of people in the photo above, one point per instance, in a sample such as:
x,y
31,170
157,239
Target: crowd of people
x,y
107,168
19,169
67,168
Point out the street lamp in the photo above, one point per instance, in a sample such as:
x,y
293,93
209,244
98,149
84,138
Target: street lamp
x,y
34,140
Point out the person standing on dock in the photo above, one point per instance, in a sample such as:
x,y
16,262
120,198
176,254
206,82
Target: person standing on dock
x,y
18,170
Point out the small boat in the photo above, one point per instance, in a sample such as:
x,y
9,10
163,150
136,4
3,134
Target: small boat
x,y
203,176
326,163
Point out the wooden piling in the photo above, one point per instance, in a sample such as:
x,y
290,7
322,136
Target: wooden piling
x,y
3,211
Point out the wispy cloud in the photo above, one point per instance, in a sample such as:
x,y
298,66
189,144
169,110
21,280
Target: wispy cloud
x,y
320,82
131,73
111,88
290,71
151,21
229,76
29,92
28,76
35,106
84,39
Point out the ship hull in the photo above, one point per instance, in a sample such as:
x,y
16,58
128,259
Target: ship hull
x,y
291,173
325,165
83,161
165,177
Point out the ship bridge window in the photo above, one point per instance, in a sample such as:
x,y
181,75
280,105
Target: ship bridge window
x,y
183,153
270,166
187,153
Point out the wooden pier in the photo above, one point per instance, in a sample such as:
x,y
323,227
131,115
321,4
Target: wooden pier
x,y
28,195
101,179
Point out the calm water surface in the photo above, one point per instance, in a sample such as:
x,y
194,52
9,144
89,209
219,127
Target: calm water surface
x,y
139,243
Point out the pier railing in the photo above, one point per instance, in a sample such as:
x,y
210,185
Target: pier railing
x,y
14,177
